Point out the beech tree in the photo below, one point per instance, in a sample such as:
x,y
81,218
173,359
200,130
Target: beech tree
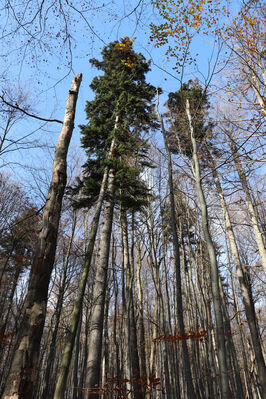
x,y
147,280
187,108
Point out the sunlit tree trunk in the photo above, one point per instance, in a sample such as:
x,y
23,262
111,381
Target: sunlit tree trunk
x,y
142,348
249,203
23,369
99,292
176,253
243,283
132,358
213,264
240,330
52,345
76,314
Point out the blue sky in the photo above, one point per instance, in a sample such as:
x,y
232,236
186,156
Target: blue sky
x,y
42,72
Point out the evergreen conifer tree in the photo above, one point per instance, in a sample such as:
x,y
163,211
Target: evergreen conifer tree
x,y
121,112
123,95
178,135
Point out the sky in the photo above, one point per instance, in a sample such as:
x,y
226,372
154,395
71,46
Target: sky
x,y
36,64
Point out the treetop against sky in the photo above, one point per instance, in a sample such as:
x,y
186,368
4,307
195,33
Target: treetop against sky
x,y
44,43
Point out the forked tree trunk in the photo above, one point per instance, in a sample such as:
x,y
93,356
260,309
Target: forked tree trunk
x,y
217,302
24,364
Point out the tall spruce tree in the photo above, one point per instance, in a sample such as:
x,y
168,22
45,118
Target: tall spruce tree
x,y
123,95
119,115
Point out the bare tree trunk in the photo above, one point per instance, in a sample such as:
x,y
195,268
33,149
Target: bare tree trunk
x,y
244,286
52,346
176,250
76,360
249,203
106,356
217,302
142,347
240,330
23,369
130,322
99,291
76,314
85,352
115,334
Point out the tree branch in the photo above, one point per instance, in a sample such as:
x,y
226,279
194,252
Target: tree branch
x,y
15,106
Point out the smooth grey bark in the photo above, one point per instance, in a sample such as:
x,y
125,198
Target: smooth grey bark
x,y
217,302
85,352
105,359
142,349
76,314
240,330
176,251
130,324
24,364
115,333
155,268
99,291
76,360
126,319
243,283
232,363
249,203
47,389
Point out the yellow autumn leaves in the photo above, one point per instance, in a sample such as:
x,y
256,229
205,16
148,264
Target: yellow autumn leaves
x,y
125,47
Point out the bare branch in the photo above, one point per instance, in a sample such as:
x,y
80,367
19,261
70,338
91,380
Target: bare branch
x,y
15,106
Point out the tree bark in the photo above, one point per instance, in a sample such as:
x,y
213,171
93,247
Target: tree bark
x,y
99,291
130,324
76,314
47,392
142,348
217,302
244,286
24,364
249,203
176,251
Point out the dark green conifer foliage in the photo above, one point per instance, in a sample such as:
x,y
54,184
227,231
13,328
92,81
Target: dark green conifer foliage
x,y
123,93
179,133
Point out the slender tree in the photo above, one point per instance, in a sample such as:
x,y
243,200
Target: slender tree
x,y
187,111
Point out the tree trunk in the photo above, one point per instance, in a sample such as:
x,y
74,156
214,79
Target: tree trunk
x,y
23,369
142,347
213,263
47,393
76,314
130,325
99,291
76,361
176,250
249,203
244,286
